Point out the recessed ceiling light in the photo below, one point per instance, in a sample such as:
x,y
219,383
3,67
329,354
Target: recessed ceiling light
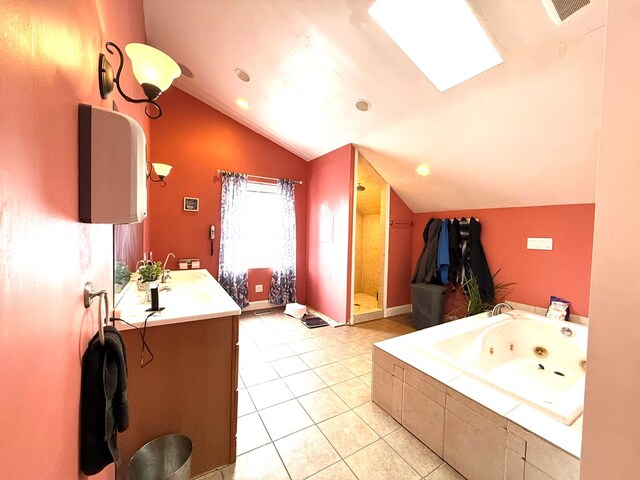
x,y
242,103
243,75
443,38
423,170
362,105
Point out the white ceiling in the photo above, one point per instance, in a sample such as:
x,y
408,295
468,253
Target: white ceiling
x,y
523,133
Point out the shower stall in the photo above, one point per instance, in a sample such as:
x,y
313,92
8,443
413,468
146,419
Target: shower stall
x,y
370,249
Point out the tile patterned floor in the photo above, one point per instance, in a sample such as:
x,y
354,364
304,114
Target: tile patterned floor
x,y
305,410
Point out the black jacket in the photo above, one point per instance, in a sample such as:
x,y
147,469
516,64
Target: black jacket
x,y
478,262
104,407
427,265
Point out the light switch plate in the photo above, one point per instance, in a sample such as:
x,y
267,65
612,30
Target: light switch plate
x,y
539,243
258,288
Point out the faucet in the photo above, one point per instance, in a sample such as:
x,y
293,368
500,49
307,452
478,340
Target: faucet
x,y
165,271
498,308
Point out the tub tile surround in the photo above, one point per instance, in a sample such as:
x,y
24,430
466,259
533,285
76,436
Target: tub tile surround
x,y
543,310
491,436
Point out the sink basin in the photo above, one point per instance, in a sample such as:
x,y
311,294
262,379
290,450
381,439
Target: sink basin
x,y
186,276
186,298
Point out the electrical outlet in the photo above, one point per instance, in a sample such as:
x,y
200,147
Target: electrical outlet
x,y
258,288
539,243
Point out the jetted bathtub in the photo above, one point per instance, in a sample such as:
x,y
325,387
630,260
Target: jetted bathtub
x,y
539,361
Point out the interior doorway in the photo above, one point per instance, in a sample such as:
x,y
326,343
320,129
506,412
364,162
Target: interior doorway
x,y
371,227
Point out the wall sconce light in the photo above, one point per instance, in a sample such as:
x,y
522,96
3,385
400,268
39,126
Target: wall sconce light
x,y
154,70
161,170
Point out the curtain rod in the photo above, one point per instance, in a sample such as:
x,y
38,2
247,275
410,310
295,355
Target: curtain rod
x,y
299,182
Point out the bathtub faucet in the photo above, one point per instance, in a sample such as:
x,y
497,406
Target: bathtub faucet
x,y
497,310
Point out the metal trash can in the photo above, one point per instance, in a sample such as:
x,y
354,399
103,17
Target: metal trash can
x,y
163,458
427,302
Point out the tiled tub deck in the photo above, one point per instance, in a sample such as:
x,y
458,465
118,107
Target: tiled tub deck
x,y
482,443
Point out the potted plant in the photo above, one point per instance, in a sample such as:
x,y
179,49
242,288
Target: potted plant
x,y
149,273
121,276
471,299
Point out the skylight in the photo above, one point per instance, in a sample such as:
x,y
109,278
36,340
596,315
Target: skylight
x,y
442,37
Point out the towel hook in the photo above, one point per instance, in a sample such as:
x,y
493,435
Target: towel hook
x,y
89,295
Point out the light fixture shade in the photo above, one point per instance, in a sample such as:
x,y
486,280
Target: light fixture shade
x,y
162,169
423,170
152,67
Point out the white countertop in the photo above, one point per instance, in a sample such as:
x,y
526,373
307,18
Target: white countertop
x,y
187,296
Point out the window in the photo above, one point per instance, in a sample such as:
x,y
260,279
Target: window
x,y
263,218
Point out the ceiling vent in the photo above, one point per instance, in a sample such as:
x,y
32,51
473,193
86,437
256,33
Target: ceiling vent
x,y
560,10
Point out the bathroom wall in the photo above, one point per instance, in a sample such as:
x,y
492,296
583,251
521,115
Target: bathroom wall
x,y
564,271
611,435
400,251
197,140
329,225
49,63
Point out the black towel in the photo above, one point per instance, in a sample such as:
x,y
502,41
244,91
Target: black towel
x,y
104,408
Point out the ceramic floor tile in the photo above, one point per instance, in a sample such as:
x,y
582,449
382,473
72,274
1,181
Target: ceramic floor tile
x,y
379,461
445,472
303,383
258,374
358,365
284,419
303,346
347,433
270,393
337,471
380,421
353,392
317,358
260,464
245,405
277,352
306,452
366,378
323,404
251,433
251,357
241,384
362,347
333,373
415,453
326,341
289,366
341,352
294,336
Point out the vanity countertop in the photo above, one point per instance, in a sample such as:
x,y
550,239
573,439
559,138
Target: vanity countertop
x,y
187,296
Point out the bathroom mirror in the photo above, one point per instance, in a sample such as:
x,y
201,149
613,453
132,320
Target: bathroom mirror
x,y
128,245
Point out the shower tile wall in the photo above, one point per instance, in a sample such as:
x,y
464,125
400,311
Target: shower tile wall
x,y
358,264
371,250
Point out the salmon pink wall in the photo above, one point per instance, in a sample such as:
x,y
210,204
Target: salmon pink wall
x,y
329,221
197,140
48,62
563,271
611,434
400,250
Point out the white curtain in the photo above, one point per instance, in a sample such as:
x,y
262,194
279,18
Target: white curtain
x,y
232,272
283,281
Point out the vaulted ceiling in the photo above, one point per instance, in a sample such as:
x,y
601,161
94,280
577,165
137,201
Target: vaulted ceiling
x,y
523,133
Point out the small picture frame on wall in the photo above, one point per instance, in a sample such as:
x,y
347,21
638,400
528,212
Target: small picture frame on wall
x,y
191,204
